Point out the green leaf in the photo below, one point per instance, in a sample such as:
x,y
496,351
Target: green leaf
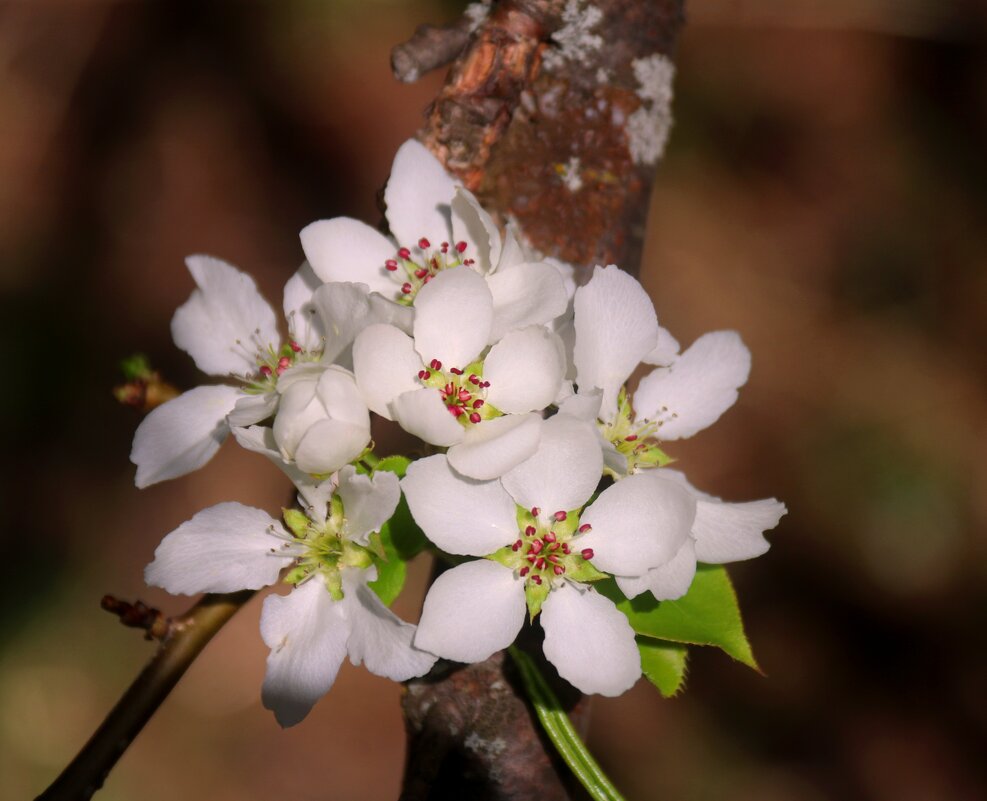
x,y
391,569
663,664
707,615
393,464
561,732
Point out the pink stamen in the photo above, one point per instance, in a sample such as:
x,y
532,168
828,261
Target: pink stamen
x,y
584,528
280,369
295,346
536,547
536,579
558,570
586,553
455,371
406,289
435,364
284,363
424,375
540,563
550,537
421,273
530,531
445,247
553,547
464,395
565,548
404,253
516,546
560,516
455,411
475,418
553,558
424,243
531,557
460,246
473,379
631,438
468,262
535,511
265,371
390,265
524,571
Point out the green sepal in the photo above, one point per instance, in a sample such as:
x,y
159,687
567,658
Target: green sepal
x,y
136,368
706,615
334,584
535,595
297,521
506,556
391,568
584,571
375,545
295,575
393,464
663,664
565,528
355,556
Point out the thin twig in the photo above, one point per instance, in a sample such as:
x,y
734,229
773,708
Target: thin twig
x,y
187,636
429,48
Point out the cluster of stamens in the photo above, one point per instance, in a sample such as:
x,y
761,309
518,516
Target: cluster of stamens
x,y
546,555
271,364
636,441
423,263
463,391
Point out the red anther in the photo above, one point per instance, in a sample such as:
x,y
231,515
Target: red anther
x,y
455,371
455,410
280,369
475,418
424,243
435,364
631,438
524,571
558,570
424,375
468,262
565,548
485,384
404,253
584,528
445,247
428,278
434,262
516,546
295,346
478,404
464,395
535,511
560,516
536,579
553,558
284,362
473,379
265,371
550,537
531,557
553,547
586,553
536,546
406,289
530,531
390,265
540,563
421,273
460,246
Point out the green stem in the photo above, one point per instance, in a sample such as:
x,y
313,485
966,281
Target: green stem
x,y
187,637
561,732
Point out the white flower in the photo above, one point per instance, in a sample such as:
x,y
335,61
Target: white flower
x,y
231,331
441,387
545,549
722,532
615,330
330,613
437,225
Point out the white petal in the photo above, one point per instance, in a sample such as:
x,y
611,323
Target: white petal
x,y
471,612
343,249
460,515
386,365
616,327
525,370
638,523
526,294
344,311
583,405
225,323
307,632
183,434
418,195
387,311
453,314
304,323
330,444
492,447
368,502
301,371
471,224
700,386
422,412
299,410
379,639
341,397
665,582
250,409
222,549
260,439
730,532
512,253
589,641
564,471
665,352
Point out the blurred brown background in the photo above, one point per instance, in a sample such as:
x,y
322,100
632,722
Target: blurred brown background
x,y
824,193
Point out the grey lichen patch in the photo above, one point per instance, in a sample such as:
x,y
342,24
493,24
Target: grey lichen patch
x,y
476,13
648,128
569,174
487,748
574,39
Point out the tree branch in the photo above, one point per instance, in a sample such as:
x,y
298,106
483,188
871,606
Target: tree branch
x,y
182,642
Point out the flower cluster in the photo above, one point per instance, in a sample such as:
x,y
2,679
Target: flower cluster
x,y
546,470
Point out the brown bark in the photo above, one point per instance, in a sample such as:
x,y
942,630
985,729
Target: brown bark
x,y
517,109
